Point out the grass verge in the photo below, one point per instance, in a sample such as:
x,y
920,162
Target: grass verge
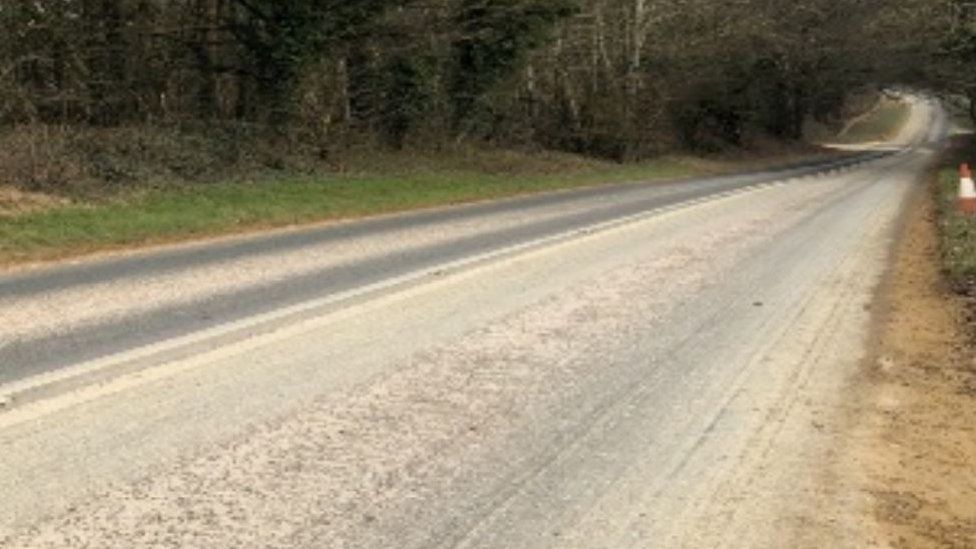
x,y
371,185
881,123
957,232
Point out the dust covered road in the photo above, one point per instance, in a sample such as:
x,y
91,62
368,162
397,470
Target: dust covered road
x,y
671,381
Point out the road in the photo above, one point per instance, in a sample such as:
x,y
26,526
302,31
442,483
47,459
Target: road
x,y
638,366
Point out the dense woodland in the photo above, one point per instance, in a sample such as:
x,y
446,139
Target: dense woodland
x,y
618,79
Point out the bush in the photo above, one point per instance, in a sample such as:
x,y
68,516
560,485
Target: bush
x,y
92,162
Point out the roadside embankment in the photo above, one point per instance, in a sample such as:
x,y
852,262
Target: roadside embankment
x,y
881,123
957,232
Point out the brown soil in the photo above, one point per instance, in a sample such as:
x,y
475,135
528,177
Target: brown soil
x,y
915,421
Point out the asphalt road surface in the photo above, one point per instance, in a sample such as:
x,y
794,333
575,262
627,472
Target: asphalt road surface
x,y
638,366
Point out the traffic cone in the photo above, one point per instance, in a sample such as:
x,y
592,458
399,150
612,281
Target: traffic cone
x,y
967,191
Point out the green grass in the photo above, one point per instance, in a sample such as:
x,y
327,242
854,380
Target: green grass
x,y
183,213
880,124
378,184
957,231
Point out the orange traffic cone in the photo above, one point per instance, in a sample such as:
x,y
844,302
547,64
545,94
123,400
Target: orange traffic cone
x,y
967,191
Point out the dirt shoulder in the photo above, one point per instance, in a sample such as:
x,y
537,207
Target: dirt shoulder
x,y
914,424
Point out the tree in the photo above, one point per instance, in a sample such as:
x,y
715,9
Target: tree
x,y
495,40
614,78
